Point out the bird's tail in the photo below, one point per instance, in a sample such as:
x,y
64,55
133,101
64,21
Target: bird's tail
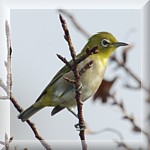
x,y
26,114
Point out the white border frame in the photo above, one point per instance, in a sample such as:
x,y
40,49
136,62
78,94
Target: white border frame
x,y
7,5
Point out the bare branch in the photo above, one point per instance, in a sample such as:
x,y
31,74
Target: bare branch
x,y
69,80
7,142
117,132
65,61
4,97
121,64
87,66
3,86
89,52
9,54
78,84
78,27
126,116
8,89
122,144
31,124
68,38
129,86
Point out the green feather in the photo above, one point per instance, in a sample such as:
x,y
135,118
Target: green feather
x,y
60,93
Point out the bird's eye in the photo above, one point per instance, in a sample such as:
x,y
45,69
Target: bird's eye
x,y
105,42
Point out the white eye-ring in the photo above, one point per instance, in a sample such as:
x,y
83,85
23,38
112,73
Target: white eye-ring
x,y
105,42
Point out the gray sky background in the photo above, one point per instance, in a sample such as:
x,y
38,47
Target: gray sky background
x,y
37,37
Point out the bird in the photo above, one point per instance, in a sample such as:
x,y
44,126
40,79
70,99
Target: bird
x,y
60,94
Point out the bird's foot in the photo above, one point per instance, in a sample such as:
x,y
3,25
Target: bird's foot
x,y
80,127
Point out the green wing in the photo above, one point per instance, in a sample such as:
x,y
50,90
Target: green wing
x,y
59,74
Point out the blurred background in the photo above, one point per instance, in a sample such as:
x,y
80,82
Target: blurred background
x,y
37,37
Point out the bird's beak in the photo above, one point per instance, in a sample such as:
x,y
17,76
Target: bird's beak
x,y
118,44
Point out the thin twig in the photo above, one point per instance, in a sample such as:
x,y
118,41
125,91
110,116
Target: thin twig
x,y
85,33
31,124
8,89
7,142
121,64
68,38
78,84
4,97
69,80
131,119
87,66
65,61
89,52
129,86
9,54
2,85
78,27
124,145
129,71
116,131
126,116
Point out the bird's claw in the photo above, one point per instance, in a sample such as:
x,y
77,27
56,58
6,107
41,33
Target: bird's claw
x,y
80,127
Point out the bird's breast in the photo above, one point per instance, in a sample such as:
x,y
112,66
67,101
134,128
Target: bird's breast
x,y
92,78
63,92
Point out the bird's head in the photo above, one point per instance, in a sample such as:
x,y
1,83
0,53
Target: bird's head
x,y
106,43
